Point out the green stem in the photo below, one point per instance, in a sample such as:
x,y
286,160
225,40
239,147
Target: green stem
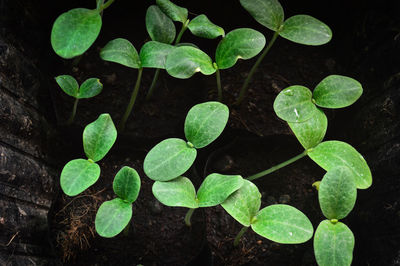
x,y
243,90
183,29
106,5
239,235
72,117
219,85
188,217
277,167
153,84
128,110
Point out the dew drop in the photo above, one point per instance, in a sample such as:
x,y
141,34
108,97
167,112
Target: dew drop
x,y
297,114
288,93
290,233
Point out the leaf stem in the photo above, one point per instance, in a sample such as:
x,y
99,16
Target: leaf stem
x,y
153,84
73,113
239,235
219,87
188,217
106,5
183,29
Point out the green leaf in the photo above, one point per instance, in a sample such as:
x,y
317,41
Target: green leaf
x,y
330,154
126,184
202,27
337,193
154,54
121,51
311,132
268,13
283,224
90,88
112,217
179,192
243,204
184,61
294,104
205,122
186,44
216,188
68,84
176,13
98,137
306,30
75,31
337,92
333,244
169,159
77,175
159,26
238,44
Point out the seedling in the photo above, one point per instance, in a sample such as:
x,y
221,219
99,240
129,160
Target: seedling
x,y
88,89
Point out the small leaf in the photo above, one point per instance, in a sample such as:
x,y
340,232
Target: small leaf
x,y
311,132
121,51
333,244
98,137
243,204
77,175
337,92
126,184
202,27
75,31
176,13
238,44
337,193
330,154
268,13
283,224
159,26
184,61
68,84
294,104
306,30
216,188
205,122
112,217
169,159
179,192
90,88
154,54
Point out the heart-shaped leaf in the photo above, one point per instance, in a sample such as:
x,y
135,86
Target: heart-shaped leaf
x,y
333,244
306,30
184,61
179,192
337,91
330,154
77,175
90,88
283,224
98,137
75,31
294,104
121,51
243,204
238,44
202,27
169,159
268,13
205,122
154,54
68,84
112,217
159,26
126,184
176,13
337,193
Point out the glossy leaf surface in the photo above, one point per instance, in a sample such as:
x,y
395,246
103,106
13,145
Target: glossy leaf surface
x,y
176,13
268,13
126,184
179,192
68,84
154,54
90,88
121,51
202,27
159,26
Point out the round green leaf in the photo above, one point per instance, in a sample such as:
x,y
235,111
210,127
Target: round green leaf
x,y
243,204
98,137
306,30
169,159
154,54
179,192
68,84
121,51
159,26
112,217
75,31
333,244
176,13
126,184
337,193
90,88
184,61
77,175
337,91
294,104
283,224
330,154
202,27
216,188
311,132
205,122
238,44
268,13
